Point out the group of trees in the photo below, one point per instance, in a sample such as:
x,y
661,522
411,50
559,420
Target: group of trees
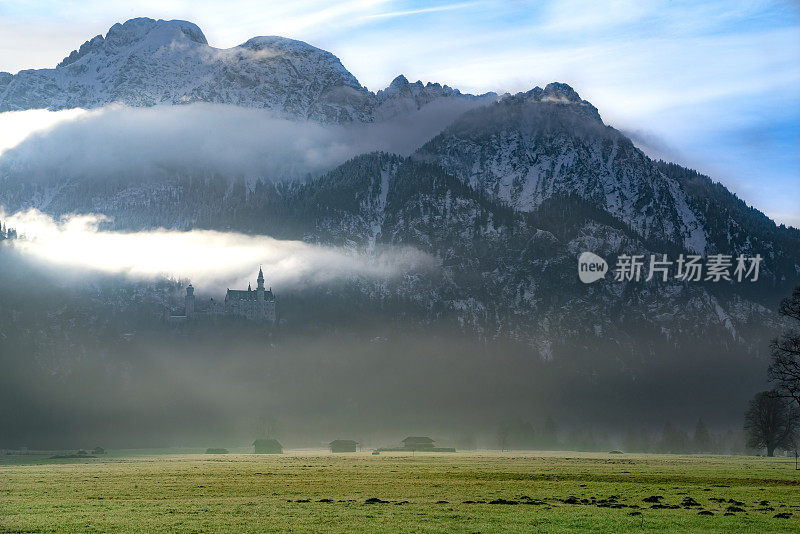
x,y
772,420
675,440
519,434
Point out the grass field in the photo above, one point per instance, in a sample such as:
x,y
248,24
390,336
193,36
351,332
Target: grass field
x,y
318,492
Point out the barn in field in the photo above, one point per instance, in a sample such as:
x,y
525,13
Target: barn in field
x,y
343,445
267,446
418,443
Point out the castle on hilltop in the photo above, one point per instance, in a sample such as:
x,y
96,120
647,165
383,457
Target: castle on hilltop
x,y
256,305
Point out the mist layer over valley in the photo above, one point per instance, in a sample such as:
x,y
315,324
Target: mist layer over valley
x,y
90,360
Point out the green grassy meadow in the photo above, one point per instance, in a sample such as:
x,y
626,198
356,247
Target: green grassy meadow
x,y
306,491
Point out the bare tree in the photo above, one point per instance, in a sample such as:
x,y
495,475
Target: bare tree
x,y
770,422
784,370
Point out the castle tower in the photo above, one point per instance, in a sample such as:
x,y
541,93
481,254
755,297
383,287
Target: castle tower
x,y
260,279
260,294
190,302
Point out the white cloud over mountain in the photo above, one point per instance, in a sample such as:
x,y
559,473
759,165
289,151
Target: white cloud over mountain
x,y
206,139
212,260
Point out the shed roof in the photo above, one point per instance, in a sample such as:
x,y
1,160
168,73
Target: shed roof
x,y
418,439
269,441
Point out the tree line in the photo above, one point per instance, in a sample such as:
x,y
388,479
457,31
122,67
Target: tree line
x,y
519,434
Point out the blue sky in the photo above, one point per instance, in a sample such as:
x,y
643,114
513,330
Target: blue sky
x,y
712,85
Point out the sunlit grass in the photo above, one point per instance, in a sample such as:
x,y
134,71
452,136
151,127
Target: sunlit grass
x,y
257,493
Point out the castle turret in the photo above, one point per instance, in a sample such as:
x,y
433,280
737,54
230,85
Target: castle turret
x,y
260,287
190,302
260,279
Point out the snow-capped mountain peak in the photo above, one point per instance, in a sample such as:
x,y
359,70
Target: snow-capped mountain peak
x,y
139,32
145,62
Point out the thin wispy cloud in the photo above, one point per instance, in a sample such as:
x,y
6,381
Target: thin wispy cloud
x,y
421,11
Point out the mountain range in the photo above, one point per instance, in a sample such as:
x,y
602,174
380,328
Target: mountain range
x,y
506,196
145,62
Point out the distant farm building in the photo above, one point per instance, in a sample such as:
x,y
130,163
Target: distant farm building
x,y
418,443
267,446
343,445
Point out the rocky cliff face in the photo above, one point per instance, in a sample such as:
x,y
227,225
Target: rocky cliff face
x,y
548,142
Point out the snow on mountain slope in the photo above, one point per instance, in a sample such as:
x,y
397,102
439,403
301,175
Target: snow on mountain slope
x,y
144,62
532,146
403,97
